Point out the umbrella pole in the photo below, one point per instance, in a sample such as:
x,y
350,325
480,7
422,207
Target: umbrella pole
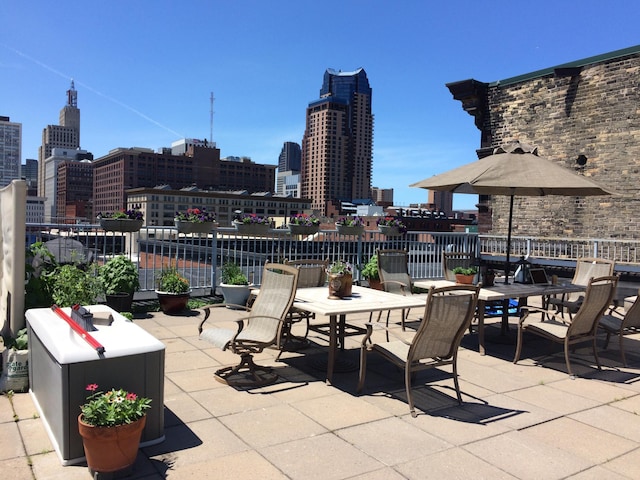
x,y
507,267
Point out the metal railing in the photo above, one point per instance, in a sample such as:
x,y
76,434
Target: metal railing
x,y
200,257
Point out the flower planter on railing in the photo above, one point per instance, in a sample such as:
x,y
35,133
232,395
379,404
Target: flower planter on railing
x,y
185,226
120,224
388,231
350,230
303,229
252,228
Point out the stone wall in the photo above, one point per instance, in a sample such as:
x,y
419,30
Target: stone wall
x,y
593,111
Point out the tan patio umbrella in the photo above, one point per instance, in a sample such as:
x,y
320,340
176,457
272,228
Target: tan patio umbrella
x,y
513,170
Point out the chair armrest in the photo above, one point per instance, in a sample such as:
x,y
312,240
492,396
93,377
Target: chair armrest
x,y
371,325
207,312
403,286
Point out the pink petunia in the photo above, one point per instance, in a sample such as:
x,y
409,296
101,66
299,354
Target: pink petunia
x,y
131,396
92,387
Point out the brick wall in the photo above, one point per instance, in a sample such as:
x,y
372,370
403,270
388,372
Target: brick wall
x,y
592,111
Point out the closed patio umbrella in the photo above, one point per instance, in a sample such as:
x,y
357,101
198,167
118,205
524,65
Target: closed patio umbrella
x,y
513,170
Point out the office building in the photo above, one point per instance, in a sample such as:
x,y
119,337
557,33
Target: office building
x,y
382,196
74,196
201,167
10,150
30,175
440,201
288,176
66,135
338,142
51,184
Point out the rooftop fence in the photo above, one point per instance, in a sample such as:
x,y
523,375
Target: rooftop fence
x,y
199,257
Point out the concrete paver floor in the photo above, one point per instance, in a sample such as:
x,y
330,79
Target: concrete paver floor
x,y
529,420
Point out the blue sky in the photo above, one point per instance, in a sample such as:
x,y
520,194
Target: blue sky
x,y
145,69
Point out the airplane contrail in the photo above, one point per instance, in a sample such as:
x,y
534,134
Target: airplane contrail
x,y
91,89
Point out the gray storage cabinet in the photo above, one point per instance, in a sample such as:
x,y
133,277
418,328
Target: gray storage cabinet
x,y
62,364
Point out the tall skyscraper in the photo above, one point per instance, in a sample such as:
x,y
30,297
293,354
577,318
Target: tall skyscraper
x,y
288,177
338,142
10,150
66,135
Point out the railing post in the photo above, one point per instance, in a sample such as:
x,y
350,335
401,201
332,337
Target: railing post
x,y
214,260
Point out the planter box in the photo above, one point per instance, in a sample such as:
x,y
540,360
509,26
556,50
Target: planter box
x,y
120,224
235,294
194,227
303,229
173,303
346,230
252,228
389,231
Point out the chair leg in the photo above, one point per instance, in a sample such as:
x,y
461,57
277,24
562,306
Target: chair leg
x,y
624,360
595,353
363,368
455,380
606,340
566,357
519,345
407,383
259,375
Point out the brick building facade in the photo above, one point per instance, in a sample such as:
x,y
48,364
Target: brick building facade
x,y
584,115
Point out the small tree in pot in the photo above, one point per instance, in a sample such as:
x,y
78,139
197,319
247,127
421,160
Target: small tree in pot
x,y
120,280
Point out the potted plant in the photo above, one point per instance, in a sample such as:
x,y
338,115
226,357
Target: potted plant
x,y
489,277
120,280
303,224
234,284
111,425
172,290
70,284
340,275
252,224
465,275
370,273
350,225
391,227
195,220
123,221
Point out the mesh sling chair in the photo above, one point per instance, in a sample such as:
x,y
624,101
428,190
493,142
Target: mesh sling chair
x,y
586,269
447,315
617,323
393,269
582,328
311,273
261,328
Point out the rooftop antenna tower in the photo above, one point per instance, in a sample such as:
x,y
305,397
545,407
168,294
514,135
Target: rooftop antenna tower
x,y
211,121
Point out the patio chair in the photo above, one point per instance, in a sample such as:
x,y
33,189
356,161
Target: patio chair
x,y
447,315
586,269
451,260
311,273
260,329
584,325
393,268
617,323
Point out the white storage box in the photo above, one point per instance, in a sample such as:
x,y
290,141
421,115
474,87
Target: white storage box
x,y
62,364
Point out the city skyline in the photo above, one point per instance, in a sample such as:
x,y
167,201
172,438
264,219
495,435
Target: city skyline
x,y
262,61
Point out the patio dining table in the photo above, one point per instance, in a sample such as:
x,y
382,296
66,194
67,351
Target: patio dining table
x,y
363,300
502,292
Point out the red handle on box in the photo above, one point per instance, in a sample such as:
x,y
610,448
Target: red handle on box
x,y
86,336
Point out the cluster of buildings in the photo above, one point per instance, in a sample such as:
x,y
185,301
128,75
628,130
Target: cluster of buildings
x,y
329,174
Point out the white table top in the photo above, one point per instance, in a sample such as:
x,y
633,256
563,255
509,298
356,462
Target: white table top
x,y
500,291
364,300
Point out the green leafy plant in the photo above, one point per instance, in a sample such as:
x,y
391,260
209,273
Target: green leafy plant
x,y
232,274
70,285
20,342
39,262
370,269
119,275
465,270
169,280
112,408
340,267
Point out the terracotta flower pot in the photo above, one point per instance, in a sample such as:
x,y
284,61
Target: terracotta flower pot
x,y
111,449
464,279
